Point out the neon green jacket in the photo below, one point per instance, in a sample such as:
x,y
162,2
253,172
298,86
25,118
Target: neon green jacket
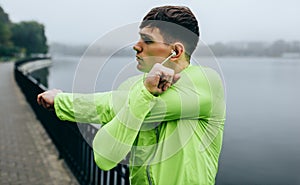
x,y
174,138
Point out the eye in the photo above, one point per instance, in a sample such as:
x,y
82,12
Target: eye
x,y
147,40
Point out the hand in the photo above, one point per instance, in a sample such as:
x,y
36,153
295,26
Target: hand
x,y
46,99
160,78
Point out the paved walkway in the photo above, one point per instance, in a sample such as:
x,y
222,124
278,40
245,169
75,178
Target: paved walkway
x,y
27,155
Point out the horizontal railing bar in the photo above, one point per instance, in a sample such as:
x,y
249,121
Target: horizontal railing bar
x,y
67,137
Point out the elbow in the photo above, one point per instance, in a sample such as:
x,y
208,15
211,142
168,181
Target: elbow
x,y
103,163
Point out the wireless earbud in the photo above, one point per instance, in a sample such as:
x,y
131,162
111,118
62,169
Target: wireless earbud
x,y
173,53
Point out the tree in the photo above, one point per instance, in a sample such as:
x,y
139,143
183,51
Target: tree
x,y
6,46
30,35
5,33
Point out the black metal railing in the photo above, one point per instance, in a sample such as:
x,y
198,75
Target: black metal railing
x,y
68,138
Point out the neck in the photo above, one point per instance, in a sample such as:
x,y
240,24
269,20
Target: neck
x,y
177,65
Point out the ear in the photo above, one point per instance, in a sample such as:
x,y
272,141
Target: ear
x,y
179,49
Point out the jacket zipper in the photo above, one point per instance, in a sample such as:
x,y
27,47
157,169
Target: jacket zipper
x,y
148,166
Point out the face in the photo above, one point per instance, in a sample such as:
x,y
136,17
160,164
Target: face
x,y
150,49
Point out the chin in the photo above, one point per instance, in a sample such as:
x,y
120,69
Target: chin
x,y
140,68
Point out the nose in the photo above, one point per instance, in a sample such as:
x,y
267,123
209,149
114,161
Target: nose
x,y
138,48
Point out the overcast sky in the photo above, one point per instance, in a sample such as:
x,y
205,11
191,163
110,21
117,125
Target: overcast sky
x,y
83,21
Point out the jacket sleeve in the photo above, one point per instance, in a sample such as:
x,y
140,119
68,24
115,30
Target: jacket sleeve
x,y
97,108
100,108
114,140
189,98
84,108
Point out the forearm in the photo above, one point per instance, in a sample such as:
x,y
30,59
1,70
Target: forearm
x,y
175,104
84,108
114,140
194,96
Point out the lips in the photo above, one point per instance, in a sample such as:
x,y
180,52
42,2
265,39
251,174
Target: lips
x,y
139,59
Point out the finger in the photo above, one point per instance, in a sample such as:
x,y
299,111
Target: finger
x,y
169,79
166,86
38,99
163,79
176,77
44,104
161,84
155,78
159,91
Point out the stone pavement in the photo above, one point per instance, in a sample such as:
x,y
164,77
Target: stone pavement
x,y
27,155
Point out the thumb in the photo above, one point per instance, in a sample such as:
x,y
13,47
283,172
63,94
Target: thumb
x,y
176,77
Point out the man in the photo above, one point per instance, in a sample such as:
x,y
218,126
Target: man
x,y
171,119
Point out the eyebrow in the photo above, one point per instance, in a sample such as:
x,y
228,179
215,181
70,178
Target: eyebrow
x,y
146,35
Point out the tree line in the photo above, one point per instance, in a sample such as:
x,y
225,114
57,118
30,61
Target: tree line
x,y
23,38
278,48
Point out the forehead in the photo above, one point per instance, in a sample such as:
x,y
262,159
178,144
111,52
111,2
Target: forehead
x,y
151,32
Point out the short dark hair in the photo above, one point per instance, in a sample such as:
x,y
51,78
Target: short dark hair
x,y
175,23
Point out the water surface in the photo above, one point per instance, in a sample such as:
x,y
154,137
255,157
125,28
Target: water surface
x,y
262,131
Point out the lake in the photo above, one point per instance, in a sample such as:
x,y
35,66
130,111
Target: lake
x,y
262,130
